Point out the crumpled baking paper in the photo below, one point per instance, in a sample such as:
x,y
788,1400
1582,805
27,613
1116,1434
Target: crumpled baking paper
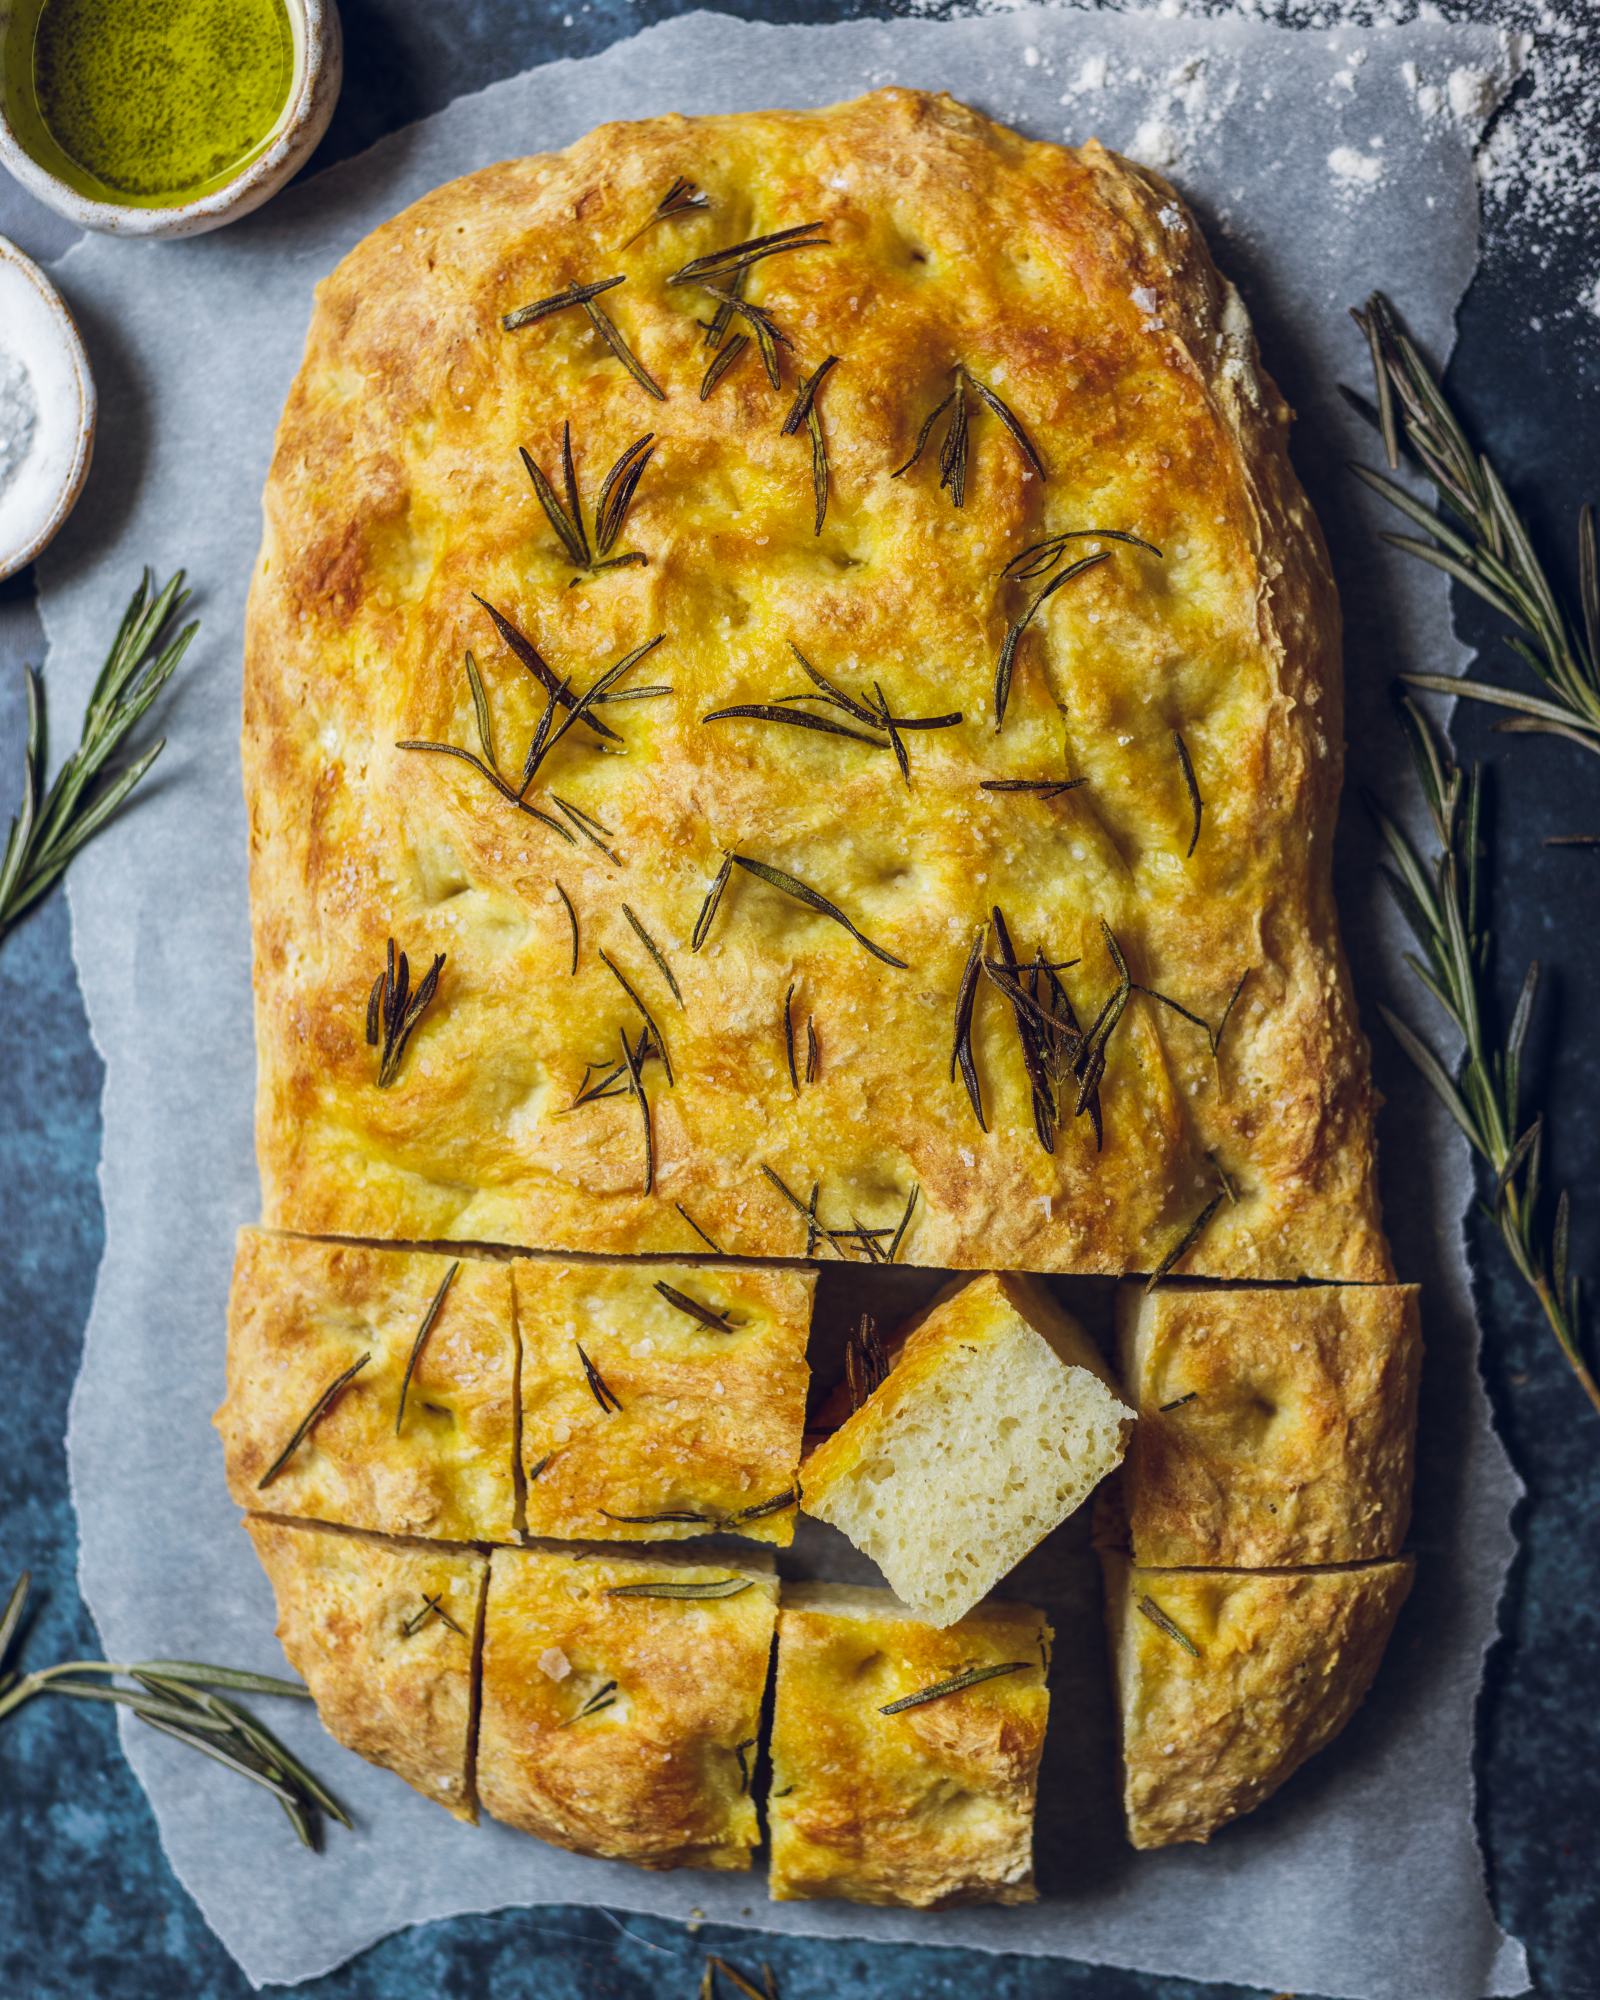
x,y
1318,176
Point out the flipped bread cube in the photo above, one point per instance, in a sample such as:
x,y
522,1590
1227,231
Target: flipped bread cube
x,y
1228,1680
621,1701
904,1755
383,1633
1276,1426
301,1317
661,1400
996,1421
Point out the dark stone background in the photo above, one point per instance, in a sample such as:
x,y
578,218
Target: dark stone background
x,y
88,1907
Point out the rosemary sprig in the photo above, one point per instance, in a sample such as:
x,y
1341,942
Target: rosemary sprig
x,y
687,1593
956,1684
585,296
955,451
597,1383
54,823
431,1608
700,1518
1478,538
547,733
1178,1402
692,1308
813,1051
740,257
682,198
1440,901
1197,805
866,1366
740,1750
803,893
874,715
1037,561
1153,1611
767,1990
393,1010
610,512
417,1345
326,1398
178,1698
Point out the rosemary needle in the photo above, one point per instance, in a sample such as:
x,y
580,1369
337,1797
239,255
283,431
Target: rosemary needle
x,y
319,1409
956,1684
56,821
435,1306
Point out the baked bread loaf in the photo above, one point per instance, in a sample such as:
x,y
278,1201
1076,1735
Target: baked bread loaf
x,y
385,1635
1228,1680
996,1421
1276,1427
682,1414
931,1803
622,1701
697,958
319,1339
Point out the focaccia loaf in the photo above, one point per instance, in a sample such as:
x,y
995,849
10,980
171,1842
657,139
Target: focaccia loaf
x,y
1141,781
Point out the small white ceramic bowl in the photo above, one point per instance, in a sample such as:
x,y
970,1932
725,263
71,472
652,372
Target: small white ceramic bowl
x,y
318,72
56,441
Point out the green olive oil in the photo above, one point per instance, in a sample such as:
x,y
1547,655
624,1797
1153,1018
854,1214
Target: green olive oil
x,y
153,102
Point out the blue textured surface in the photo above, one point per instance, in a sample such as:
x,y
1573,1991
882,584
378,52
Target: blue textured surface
x,y
88,1907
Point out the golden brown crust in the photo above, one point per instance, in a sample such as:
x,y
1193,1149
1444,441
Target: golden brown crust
x,y
302,1313
1281,1661
709,1423
656,1771
1276,1427
392,1679
929,1807
396,493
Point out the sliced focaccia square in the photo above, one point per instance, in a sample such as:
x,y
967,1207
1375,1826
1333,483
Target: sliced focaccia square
x,y
1228,1680
383,1633
995,1422
661,1400
905,1756
372,1388
1276,1425
621,1701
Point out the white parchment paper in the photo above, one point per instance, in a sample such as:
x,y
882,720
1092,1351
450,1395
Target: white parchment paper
x,y
1308,160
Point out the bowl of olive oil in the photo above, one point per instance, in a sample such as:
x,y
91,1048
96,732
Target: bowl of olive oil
x,y
163,117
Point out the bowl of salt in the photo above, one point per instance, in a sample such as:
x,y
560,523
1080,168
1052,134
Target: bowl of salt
x,y
47,410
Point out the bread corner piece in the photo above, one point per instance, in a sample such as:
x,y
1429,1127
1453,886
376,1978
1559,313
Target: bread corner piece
x,y
661,1400
1228,1680
622,1698
383,1634
928,1806
1276,1425
301,1314
996,1421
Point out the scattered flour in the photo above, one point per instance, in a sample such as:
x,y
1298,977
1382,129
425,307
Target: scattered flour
x,y
1352,170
